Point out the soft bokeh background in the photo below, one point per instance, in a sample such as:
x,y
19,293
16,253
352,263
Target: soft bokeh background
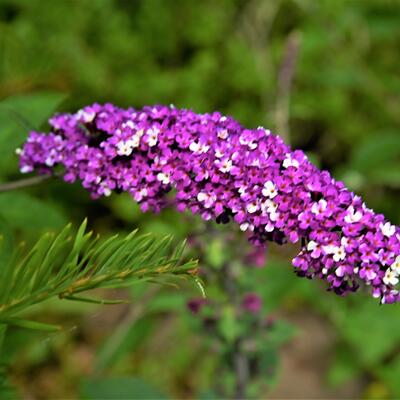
x,y
324,74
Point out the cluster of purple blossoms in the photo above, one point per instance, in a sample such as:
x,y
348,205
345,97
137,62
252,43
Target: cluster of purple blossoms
x,y
224,171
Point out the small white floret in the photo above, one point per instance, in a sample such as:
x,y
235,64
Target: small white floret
x,y
388,229
269,190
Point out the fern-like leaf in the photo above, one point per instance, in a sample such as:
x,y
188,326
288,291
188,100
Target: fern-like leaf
x,y
68,264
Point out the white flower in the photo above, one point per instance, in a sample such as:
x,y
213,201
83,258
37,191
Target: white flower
x,y
206,198
164,178
129,124
219,153
387,229
269,206
243,140
273,216
139,133
330,249
49,161
319,208
244,226
140,194
194,146
152,136
290,162
252,207
269,227
376,294
352,215
134,141
269,190
25,169
344,241
198,148
85,116
396,266
224,165
311,245
242,190
252,145
223,134
339,254
106,189
124,148
390,278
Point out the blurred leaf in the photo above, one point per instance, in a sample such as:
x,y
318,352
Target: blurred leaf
x,y
18,115
32,108
28,213
377,159
6,248
390,374
7,391
372,331
344,368
208,395
167,302
269,362
280,332
228,325
119,388
126,338
215,254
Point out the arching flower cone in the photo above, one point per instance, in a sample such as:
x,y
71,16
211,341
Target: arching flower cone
x,y
224,171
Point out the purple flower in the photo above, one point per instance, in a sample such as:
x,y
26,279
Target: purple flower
x,y
195,305
252,303
223,171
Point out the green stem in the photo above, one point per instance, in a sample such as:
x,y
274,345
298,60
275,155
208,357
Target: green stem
x,y
23,183
3,329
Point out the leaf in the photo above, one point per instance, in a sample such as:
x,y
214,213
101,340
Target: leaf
x,y
119,388
18,115
26,324
29,213
32,108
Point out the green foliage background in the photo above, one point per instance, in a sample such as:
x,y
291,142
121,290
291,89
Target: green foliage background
x,y
207,55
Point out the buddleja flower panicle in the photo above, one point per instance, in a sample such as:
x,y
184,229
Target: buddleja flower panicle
x,y
224,171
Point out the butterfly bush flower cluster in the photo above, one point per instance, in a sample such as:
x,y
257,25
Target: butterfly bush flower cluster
x,y
224,172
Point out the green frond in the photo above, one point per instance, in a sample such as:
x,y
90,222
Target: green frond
x,y
67,264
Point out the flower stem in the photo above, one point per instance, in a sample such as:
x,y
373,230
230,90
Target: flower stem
x,y
23,183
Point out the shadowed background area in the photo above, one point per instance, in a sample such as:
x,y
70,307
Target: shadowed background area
x,y
322,74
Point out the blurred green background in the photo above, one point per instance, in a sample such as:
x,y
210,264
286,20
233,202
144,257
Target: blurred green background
x,y
322,73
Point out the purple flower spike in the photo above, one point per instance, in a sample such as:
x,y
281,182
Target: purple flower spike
x,y
225,172
252,303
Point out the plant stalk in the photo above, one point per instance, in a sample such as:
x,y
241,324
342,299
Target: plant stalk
x,y
23,183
